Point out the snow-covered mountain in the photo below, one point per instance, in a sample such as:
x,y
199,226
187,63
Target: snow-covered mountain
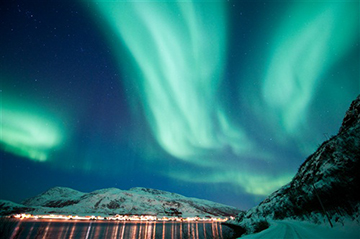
x,y
330,176
8,208
111,201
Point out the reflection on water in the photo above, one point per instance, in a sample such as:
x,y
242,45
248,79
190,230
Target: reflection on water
x,y
28,228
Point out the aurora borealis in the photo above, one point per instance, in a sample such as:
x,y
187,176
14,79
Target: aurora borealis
x,y
26,134
221,100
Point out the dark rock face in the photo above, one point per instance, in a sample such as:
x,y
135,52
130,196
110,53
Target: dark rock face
x,y
352,117
61,203
331,173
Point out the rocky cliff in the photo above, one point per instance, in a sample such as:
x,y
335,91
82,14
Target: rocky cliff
x,y
330,177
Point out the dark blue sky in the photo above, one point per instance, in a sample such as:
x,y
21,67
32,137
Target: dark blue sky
x,y
215,100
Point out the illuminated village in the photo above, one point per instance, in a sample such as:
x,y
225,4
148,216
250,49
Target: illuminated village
x,y
123,218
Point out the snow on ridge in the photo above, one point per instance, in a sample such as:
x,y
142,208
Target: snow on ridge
x,y
9,207
352,116
60,200
150,190
10,203
60,193
330,173
107,190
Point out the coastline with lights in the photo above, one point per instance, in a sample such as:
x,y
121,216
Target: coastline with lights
x,y
117,217
117,226
135,204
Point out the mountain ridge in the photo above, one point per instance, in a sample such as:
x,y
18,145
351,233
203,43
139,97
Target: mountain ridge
x,y
328,179
111,201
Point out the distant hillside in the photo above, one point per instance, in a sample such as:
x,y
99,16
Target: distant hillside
x,y
332,172
111,201
8,208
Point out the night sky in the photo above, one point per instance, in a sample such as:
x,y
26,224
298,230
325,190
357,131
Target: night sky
x,y
220,100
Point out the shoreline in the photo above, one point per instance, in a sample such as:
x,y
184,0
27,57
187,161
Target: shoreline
x,y
128,218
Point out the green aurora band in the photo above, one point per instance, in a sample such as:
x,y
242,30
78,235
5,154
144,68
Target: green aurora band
x,y
177,53
181,60
28,132
300,57
305,53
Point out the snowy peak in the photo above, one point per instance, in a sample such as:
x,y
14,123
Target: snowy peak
x,y
151,191
60,192
47,198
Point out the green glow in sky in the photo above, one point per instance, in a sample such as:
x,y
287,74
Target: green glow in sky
x,y
308,42
179,53
256,184
27,132
176,58
218,97
179,50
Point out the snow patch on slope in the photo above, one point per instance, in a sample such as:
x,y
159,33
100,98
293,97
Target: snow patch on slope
x,y
300,230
